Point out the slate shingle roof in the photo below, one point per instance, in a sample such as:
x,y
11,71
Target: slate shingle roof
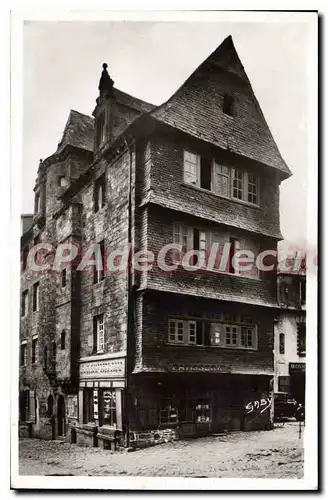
x,y
132,102
196,108
78,132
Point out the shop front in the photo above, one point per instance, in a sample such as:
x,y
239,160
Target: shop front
x,y
100,401
201,403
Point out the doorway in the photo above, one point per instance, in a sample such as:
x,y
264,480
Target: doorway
x,y
61,415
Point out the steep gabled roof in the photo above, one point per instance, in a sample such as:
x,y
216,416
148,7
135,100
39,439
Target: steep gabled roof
x,y
132,102
196,108
78,132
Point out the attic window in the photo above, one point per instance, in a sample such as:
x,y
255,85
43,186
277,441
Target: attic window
x,y
228,105
62,181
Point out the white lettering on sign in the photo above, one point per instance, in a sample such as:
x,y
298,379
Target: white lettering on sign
x,y
199,368
264,404
108,368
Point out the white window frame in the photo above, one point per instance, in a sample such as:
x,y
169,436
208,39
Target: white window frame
x,y
35,338
100,332
174,333
24,343
236,331
193,170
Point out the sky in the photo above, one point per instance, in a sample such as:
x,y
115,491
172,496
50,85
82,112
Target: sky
x,y
62,63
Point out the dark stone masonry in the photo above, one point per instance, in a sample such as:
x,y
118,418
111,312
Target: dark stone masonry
x,y
136,357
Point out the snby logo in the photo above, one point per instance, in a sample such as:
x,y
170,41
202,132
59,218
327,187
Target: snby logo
x,y
220,258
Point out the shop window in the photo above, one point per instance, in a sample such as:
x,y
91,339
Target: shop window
x,y
108,405
24,303
99,193
23,353
283,384
36,297
281,343
90,405
168,414
34,349
99,272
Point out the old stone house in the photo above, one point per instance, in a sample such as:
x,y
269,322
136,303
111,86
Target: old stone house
x,y
153,349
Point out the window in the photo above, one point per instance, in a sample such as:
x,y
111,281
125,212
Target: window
x,y
182,235
98,333
45,358
191,168
34,349
281,343
239,336
63,278
224,181
90,405
63,340
237,183
24,303
62,181
54,350
108,404
252,188
234,247
99,193
176,332
221,180
23,353
301,339
283,384
36,298
99,263
100,131
244,186
228,105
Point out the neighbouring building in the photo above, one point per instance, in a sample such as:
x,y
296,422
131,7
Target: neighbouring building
x,y
155,351
290,335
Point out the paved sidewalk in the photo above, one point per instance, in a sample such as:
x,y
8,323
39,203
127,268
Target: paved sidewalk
x,y
263,454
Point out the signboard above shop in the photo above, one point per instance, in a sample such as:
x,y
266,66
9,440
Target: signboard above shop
x,y
102,369
296,368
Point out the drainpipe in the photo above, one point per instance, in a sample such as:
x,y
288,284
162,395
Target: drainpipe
x,y
129,289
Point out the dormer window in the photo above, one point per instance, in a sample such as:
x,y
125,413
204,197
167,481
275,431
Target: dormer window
x,y
228,105
100,129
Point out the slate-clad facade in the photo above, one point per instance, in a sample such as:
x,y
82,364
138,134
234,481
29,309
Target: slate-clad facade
x,y
153,350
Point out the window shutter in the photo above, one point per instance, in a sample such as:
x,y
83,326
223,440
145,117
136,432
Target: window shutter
x,y
32,416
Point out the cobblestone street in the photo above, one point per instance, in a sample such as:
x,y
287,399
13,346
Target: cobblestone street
x,y
263,454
